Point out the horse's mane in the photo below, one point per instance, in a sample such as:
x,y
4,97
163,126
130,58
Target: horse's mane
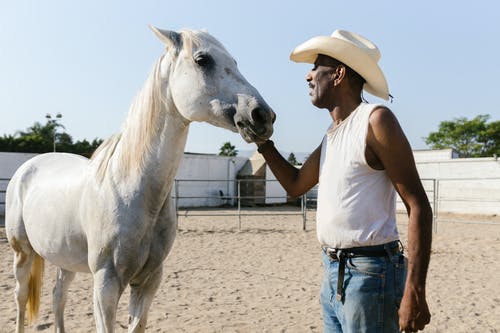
x,y
143,120
138,130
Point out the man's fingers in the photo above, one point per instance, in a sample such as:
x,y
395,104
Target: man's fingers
x,y
406,328
411,327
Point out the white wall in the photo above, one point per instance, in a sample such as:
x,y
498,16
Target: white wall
x,y
9,162
275,193
423,155
192,167
464,185
196,169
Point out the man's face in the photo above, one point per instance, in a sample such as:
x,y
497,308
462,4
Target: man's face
x,y
320,79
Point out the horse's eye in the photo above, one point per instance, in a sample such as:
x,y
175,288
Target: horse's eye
x,y
203,60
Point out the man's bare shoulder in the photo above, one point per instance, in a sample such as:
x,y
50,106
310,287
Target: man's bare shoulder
x,y
381,113
382,118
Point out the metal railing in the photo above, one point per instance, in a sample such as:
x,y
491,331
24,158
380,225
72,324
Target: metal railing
x,y
432,186
3,187
236,200
481,198
308,201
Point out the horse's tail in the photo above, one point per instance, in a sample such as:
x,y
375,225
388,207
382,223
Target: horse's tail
x,y
35,287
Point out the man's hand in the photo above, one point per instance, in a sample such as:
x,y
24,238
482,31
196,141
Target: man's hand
x,y
413,313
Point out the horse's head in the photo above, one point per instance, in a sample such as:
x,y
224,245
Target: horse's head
x,y
205,85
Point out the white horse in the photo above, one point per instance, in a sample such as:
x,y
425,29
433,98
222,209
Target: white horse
x,y
112,215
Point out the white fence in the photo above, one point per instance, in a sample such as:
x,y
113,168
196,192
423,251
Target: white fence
x,y
471,196
3,187
480,197
234,203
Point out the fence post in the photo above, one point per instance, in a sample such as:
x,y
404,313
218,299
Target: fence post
x,y
436,204
304,210
239,203
2,201
176,202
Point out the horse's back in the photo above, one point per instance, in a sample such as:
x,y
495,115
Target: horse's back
x,y
42,203
46,172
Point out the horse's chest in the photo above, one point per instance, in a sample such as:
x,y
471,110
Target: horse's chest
x,y
138,247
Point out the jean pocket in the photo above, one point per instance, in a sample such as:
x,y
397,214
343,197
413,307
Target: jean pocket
x,y
372,266
400,269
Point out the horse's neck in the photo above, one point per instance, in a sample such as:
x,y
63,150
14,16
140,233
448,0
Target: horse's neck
x,y
149,168
147,153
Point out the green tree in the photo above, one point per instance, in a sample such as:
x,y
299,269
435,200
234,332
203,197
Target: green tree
x,y
7,143
228,149
470,138
35,139
292,159
85,147
40,139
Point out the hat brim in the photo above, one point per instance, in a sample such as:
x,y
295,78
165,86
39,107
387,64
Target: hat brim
x,y
348,54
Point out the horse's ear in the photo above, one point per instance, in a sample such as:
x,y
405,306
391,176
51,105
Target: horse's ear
x,y
168,37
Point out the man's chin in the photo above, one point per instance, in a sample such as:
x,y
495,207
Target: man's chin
x,y
315,102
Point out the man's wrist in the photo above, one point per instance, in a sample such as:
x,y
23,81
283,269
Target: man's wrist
x,y
268,144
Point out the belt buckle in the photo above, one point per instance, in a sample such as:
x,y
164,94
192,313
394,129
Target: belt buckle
x,y
332,253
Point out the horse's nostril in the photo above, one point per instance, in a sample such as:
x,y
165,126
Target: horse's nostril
x,y
240,124
258,115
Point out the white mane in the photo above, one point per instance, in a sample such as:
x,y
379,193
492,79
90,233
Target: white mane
x,y
140,127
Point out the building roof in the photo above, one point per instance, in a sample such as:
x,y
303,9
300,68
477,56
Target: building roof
x,y
255,166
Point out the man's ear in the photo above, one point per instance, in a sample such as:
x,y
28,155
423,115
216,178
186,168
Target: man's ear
x,y
339,75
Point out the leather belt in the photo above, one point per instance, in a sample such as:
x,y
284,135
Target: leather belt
x,y
341,255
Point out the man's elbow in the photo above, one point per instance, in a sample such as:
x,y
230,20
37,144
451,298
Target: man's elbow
x,y
425,209
422,209
295,192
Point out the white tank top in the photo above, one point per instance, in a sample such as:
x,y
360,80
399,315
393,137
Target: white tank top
x,y
356,203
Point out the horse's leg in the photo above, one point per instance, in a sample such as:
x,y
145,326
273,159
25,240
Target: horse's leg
x,y
107,292
141,296
63,280
22,267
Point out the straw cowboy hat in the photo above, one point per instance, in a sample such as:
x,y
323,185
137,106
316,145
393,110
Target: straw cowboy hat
x,y
353,50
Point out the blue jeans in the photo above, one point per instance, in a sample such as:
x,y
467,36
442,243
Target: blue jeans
x,y
373,288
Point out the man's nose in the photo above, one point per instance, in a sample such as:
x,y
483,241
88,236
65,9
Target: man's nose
x,y
309,77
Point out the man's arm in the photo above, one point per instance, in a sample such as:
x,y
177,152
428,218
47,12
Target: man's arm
x,y
388,142
295,181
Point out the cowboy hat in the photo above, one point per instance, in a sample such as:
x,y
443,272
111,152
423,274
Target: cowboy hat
x,y
351,49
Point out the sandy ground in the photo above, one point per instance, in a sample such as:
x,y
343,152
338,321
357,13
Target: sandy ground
x,y
266,278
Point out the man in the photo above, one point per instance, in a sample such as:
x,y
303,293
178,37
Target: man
x,y
363,158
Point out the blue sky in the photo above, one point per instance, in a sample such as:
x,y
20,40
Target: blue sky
x,y
88,59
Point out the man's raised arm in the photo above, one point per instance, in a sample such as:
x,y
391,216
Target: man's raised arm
x,y
295,181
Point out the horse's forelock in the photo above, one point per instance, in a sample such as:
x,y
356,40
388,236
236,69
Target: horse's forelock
x,y
193,39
